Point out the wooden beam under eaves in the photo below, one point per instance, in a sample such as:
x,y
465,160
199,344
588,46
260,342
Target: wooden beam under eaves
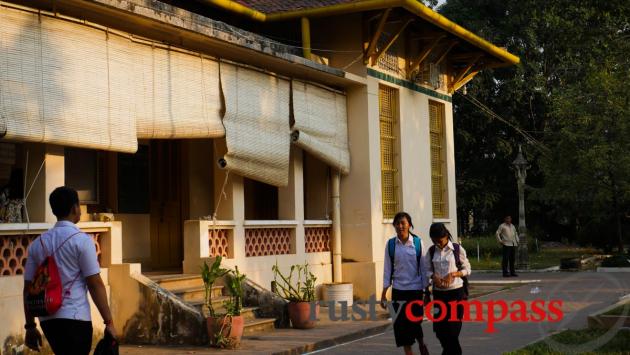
x,y
369,52
458,84
413,65
392,40
460,75
448,49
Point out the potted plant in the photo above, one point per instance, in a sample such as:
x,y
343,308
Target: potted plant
x,y
300,293
226,328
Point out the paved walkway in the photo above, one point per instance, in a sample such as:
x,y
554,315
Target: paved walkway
x,y
583,293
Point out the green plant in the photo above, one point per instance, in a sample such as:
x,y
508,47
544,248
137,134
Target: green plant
x,y
234,305
302,290
617,261
209,275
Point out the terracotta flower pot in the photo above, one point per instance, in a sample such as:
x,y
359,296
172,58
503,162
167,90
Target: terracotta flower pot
x,y
300,315
231,329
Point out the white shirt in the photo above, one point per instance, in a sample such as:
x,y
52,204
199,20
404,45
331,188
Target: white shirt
x,y
507,235
77,257
444,263
406,276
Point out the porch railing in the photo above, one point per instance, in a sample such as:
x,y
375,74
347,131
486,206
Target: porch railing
x,y
16,237
317,235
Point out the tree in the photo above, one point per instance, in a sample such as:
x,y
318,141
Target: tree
x,y
569,93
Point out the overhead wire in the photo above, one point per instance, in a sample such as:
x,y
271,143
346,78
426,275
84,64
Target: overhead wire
x,y
528,137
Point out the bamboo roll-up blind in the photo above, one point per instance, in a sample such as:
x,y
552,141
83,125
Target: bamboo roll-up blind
x,y
64,83
321,124
178,94
256,124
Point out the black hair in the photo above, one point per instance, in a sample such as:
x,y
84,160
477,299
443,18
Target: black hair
x,y
401,215
62,199
438,230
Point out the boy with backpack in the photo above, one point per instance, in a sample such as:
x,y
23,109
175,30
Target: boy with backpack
x,y
60,268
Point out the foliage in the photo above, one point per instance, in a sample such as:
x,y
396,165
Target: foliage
x,y
209,275
491,253
570,94
232,306
617,261
302,290
235,287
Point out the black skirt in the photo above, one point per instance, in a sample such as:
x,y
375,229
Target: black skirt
x,y
407,332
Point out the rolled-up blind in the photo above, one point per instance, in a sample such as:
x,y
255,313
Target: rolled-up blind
x,y
321,126
178,94
256,124
64,83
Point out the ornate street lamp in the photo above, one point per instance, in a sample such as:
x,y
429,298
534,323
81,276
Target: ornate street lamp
x,y
520,168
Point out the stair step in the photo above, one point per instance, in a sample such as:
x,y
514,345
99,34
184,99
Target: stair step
x,y
258,325
196,293
216,302
178,281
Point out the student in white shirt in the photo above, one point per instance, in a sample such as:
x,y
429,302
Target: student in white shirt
x,y
447,286
408,277
69,330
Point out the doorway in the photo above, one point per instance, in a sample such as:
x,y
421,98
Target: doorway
x,y
166,205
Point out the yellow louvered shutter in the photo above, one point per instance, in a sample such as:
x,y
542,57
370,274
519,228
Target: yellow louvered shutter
x,y
438,161
388,114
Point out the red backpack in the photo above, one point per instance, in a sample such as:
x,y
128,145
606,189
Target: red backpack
x,y
44,294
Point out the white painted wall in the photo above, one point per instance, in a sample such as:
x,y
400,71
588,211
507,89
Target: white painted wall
x,y
364,231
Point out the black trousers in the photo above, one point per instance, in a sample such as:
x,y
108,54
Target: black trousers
x,y
447,331
509,259
407,332
68,336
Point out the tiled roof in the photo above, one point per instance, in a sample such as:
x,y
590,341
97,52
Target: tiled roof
x,y
273,6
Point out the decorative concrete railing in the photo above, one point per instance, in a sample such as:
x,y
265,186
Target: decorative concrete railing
x,y
317,235
16,237
263,238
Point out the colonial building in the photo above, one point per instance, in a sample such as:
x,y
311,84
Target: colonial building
x,y
261,131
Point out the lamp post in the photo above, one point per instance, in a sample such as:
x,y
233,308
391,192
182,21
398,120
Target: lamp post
x,y
520,168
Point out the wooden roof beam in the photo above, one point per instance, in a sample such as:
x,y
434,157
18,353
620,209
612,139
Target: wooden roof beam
x,y
458,84
413,65
460,75
391,41
369,52
448,49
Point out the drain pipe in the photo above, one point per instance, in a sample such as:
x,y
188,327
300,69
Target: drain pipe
x,y
336,227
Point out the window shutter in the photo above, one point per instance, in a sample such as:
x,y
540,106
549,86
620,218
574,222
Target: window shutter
x,y
388,112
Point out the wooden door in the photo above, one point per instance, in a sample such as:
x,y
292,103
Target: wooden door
x,y
166,220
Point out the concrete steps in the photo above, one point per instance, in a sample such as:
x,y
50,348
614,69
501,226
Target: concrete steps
x,y
190,289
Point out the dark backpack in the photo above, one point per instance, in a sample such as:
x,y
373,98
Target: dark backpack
x,y
391,249
458,263
107,346
44,295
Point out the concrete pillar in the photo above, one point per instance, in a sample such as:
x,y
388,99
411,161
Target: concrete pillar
x,y
51,176
336,228
291,199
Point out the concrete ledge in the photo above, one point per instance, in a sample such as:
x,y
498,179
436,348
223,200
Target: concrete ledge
x,y
602,321
613,269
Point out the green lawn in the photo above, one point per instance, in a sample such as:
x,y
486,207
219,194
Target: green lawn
x,y
618,345
491,253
